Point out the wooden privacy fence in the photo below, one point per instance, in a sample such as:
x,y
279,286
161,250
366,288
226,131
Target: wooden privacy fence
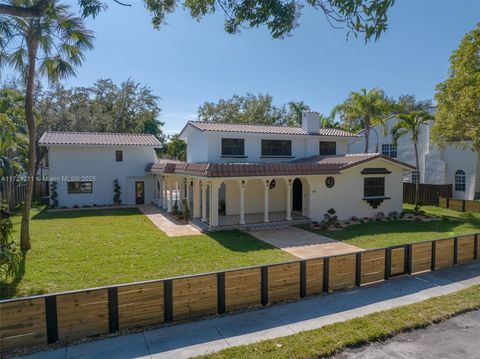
x,y
65,316
460,205
429,193
14,192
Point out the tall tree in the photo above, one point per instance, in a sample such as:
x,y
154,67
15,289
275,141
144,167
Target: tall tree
x,y
458,97
409,124
281,17
364,109
56,43
176,148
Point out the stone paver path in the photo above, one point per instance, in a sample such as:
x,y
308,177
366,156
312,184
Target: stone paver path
x,y
304,244
210,335
167,225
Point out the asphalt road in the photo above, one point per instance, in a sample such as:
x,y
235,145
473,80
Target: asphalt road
x,y
458,337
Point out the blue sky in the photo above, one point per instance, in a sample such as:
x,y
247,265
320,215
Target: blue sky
x,y
189,62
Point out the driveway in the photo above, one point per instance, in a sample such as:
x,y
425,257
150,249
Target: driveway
x,y
454,338
304,244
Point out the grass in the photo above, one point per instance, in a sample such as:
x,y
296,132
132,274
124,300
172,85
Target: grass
x,y
383,234
89,248
333,338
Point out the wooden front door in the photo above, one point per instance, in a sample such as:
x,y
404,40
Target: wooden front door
x,y
139,192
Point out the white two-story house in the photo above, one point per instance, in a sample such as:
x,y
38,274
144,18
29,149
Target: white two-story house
x,y
455,164
239,175
84,166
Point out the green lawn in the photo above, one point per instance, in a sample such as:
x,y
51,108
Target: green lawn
x,y
383,234
88,248
331,339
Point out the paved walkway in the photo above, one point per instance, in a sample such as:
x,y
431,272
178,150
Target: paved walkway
x,y
201,337
304,244
167,225
455,338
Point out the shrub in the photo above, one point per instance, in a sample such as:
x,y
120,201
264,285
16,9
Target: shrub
x,y
10,257
393,214
186,211
53,195
354,219
324,227
76,206
117,193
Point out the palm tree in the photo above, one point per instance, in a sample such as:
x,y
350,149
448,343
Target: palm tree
x,y
362,110
56,42
410,124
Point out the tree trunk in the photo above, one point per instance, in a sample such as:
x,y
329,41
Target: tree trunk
x,y
367,136
417,179
30,118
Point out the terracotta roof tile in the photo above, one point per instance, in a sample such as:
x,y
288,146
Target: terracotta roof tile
x,y
281,130
98,138
315,165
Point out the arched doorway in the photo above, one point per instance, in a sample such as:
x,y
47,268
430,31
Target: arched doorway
x,y
297,195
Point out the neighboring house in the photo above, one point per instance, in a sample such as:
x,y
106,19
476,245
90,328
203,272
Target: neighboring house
x,y
454,164
85,165
246,174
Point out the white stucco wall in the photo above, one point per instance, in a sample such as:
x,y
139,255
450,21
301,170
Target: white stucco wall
x,y
98,162
437,166
204,146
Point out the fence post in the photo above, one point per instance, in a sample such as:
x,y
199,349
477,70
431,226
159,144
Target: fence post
x,y
388,263
463,206
475,247
51,318
358,269
455,250
325,274
264,285
168,301
303,279
448,203
434,256
113,309
409,258
221,292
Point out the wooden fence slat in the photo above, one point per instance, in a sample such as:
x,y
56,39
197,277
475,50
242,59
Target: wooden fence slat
x,y
465,249
314,276
242,288
421,257
194,296
283,282
342,271
444,253
372,266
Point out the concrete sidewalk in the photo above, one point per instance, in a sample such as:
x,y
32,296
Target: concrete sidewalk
x,y
201,337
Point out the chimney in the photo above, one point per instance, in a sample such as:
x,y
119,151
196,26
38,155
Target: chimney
x,y
311,122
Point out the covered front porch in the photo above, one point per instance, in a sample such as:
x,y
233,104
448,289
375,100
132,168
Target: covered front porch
x,y
227,203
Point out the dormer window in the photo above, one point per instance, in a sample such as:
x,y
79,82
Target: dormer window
x,y
119,156
328,148
233,147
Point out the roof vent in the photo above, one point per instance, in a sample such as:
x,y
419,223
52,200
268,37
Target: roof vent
x,y
311,122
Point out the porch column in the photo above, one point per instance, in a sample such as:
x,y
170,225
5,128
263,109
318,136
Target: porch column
x,y
214,204
204,202
196,198
289,200
169,197
242,202
265,200
164,194
187,192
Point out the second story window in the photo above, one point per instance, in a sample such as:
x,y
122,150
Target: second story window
x,y
389,150
119,156
328,148
233,147
374,187
280,148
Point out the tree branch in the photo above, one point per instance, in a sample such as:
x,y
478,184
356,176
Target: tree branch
x,y
37,10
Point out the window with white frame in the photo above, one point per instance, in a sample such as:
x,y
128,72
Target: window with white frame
x,y
389,150
414,176
460,181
